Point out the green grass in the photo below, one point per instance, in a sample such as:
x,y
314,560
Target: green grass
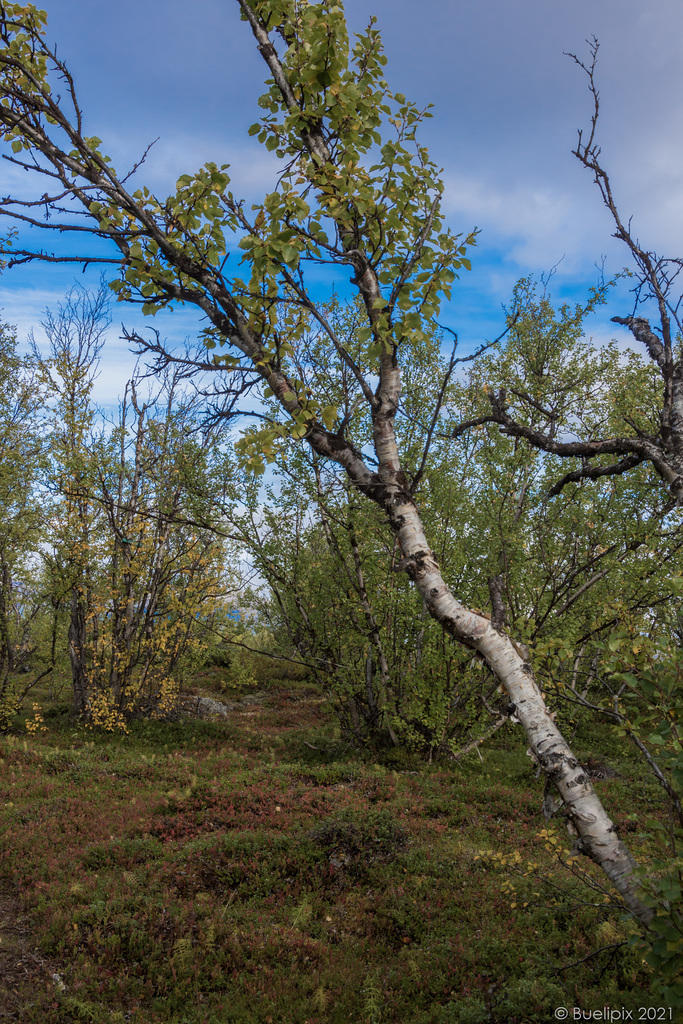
x,y
256,870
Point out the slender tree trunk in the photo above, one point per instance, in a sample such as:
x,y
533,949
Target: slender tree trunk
x,y
77,644
6,646
387,698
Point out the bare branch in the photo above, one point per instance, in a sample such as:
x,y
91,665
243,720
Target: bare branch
x,y
435,417
595,472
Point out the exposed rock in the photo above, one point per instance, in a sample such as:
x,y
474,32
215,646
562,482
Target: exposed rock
x,y
205,707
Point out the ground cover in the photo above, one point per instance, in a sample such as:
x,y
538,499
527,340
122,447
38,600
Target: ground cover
x,y
256,870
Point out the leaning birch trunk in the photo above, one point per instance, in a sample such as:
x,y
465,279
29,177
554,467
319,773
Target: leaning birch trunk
x,y
597,834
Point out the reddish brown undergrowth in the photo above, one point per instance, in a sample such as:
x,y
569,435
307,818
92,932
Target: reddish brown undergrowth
x,y
256,870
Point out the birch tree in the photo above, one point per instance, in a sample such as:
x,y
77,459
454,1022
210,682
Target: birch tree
x,y
129,552
68,373
357,193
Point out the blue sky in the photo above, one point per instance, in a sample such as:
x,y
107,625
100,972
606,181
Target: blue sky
x,y
507,104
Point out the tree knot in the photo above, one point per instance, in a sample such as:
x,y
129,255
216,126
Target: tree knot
x,y
414,564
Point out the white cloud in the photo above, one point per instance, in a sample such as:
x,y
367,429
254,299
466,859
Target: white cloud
x,y
24,307
536,224
533,221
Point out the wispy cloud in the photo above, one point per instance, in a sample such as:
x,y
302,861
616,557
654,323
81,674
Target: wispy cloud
x,y
534,221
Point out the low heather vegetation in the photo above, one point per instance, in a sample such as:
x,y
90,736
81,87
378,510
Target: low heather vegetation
x,y
257,869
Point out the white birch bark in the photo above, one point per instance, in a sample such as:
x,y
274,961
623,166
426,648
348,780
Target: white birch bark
x,y
597,834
